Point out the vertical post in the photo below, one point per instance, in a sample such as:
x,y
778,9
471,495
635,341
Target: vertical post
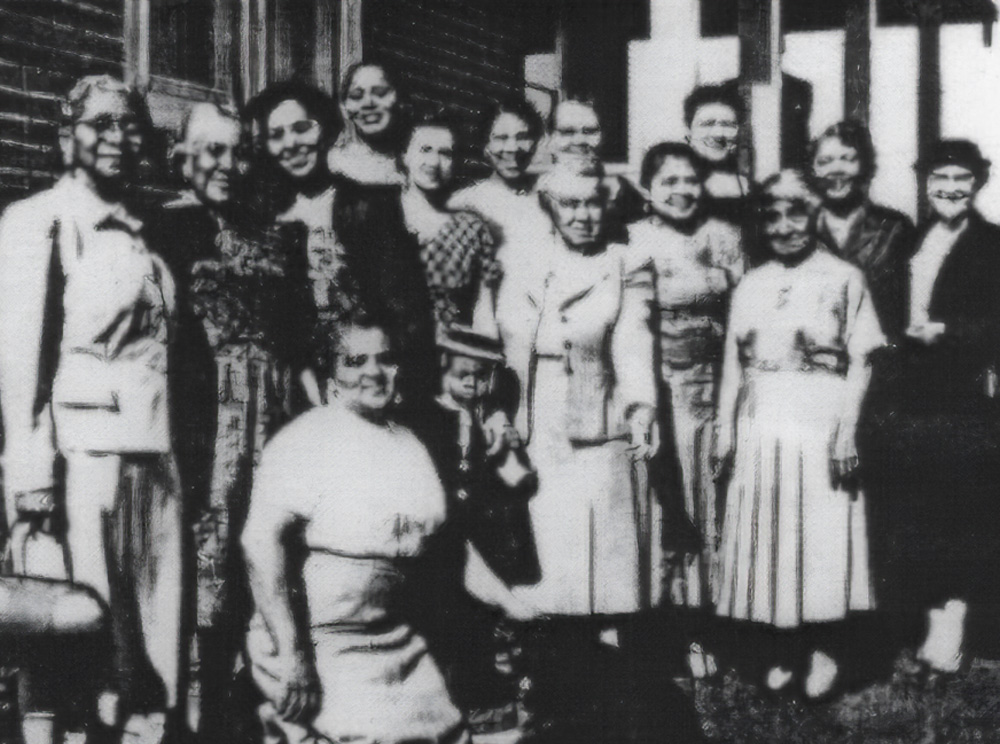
x,y
351,33
325,72
224,22
753,25
760,25
928,86
857,59
261,41
283,29
247,57
136,25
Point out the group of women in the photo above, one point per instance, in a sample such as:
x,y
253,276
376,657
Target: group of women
x,y
807,381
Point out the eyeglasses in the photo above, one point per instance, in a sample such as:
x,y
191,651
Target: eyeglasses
x,y
104,124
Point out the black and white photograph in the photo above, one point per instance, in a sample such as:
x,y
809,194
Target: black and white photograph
x,y
499,372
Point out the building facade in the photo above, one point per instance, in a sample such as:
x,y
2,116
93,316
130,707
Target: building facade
x,y
913,69
462,54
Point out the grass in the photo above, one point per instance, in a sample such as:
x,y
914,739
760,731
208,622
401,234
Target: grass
x,y
905,709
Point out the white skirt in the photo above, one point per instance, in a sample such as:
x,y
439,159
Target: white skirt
x,y
795,549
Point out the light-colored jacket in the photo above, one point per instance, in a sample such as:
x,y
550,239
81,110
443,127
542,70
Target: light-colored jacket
x,y
593,314
84,323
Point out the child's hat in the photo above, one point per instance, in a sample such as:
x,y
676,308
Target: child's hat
x,y
462,340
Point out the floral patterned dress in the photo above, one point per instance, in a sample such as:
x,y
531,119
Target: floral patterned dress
x,y
694,277
458,261
245,328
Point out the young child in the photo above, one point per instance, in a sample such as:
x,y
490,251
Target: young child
x,y
488,481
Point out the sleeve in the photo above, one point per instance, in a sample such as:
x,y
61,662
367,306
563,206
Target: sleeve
x,y
863,331
730,253
281,492
26,253
888,278
490,269
731,376
632,341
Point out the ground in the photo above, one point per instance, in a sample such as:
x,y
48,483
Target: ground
x,y
907,709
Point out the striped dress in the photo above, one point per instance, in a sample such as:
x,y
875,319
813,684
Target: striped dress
x,y
694,276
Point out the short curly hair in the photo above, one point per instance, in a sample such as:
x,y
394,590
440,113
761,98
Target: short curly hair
x,y
724,93
850,133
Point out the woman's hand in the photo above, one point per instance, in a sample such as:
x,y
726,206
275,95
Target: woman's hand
x,y
844,459
926,333
301,693
520,610
724,451
644,434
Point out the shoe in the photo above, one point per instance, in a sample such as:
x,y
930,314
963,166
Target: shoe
x,y
778,678
700,663
822,676
942,650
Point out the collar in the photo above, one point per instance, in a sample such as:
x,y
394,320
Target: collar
x,y
90,209
526,190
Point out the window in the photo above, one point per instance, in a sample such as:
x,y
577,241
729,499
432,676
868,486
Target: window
x,y
181,40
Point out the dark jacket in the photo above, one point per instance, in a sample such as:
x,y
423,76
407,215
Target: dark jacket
x,y
952,375
881,244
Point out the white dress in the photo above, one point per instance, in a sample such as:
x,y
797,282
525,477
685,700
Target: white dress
x,y
370,500
577,335
795,548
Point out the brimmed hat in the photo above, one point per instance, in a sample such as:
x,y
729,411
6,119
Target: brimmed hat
x,y
955,152
462,340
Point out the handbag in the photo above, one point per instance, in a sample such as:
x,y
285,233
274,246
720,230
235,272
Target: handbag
x,y
36,595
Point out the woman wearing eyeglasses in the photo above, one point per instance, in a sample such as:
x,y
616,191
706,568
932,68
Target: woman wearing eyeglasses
x,y
85,329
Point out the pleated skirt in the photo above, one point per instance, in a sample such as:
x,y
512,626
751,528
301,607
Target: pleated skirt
x,y
794,547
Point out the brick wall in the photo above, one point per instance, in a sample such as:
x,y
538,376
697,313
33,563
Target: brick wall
x,y
44,46
466,54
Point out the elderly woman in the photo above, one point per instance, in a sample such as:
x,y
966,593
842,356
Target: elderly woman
x,y
577,335
876,239
697,262
795,373
242,341
352,498
372,103
936,433
456,248
85,328
576,138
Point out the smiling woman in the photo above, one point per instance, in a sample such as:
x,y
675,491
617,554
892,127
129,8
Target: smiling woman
x,y
697,262
358,494
372,104
456,248
874,238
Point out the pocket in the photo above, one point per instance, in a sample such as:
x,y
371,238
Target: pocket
x,y
85,380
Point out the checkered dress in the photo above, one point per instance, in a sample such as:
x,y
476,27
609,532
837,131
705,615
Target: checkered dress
x,y
457,262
